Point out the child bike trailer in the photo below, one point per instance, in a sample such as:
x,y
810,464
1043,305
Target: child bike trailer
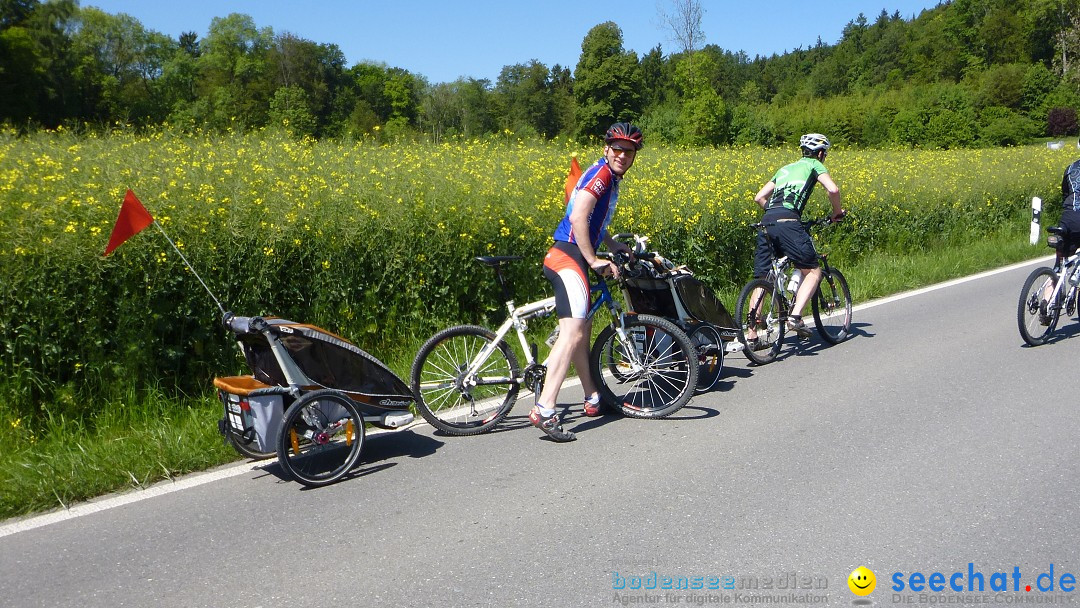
x,y
656,286
307,399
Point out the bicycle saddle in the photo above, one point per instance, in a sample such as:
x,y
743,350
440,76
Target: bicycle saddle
x,y
496,260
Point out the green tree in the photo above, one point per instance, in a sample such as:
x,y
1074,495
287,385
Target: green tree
x,y
1005,127
234,79
458,108
1002,85
368,82
179,82
36,65
1053,26
703,118
908,127
289,110
935,52
119,67
23,75
656,74
319,71
402,91
607,81
524,100
16,12
563,105
662,122
1038,82
437,109
750,124
949,129
1001,34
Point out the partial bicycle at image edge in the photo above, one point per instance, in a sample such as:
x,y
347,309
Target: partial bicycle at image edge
x,y
1049,291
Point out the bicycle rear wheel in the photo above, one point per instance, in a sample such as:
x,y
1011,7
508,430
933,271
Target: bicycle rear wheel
x,y
655,368
710,350
446,398
761,311
832,307
320,438
1036,317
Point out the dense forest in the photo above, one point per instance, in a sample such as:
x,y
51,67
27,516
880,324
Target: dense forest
x,y
964,73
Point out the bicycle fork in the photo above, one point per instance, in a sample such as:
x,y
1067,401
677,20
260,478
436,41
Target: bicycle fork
x,y
630,346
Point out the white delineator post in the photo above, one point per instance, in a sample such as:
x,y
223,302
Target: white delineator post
x,y
1036,212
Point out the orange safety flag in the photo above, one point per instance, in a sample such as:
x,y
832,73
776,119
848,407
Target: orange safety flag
x,y
132,220
572,177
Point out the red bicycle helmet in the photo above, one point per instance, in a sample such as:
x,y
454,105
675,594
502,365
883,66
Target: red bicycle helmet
x,y
624,131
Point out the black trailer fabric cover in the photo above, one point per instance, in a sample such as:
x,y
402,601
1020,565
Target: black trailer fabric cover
x,y
327,359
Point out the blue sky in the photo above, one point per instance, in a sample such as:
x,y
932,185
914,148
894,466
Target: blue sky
x,y
444,40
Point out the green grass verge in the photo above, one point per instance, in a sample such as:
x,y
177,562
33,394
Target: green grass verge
x,y
146,437
130,444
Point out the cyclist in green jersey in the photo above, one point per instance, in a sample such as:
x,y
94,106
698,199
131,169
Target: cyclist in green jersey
x,y
783,198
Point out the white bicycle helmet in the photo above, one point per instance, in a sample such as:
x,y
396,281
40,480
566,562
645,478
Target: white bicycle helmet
x,y
814,142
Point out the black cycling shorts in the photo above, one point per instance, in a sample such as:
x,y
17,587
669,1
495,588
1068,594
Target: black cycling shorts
x,y
789,238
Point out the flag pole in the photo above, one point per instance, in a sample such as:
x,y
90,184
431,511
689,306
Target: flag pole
x,y
192,269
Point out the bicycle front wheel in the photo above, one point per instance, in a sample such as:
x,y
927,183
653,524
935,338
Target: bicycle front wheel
x,y
710,350
454,402
761,314
320,438
832,307
1036,317
648,372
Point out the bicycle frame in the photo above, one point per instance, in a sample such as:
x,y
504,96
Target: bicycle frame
x,y
518,320
781,269
1065,268
467,377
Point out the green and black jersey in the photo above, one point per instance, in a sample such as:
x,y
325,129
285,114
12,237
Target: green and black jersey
x,y
794,183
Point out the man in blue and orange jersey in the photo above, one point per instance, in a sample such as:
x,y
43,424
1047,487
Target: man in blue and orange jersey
x,y
582,230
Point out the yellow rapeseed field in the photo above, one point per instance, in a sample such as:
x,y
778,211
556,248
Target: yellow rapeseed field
x,y
375,240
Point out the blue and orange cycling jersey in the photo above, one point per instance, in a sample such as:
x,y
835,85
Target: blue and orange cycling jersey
x,y
599,181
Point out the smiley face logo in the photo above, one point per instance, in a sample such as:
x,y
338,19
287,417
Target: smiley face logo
x,y
862,581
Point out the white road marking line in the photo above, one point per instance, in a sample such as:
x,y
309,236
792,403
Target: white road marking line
x,y
946,284
158,489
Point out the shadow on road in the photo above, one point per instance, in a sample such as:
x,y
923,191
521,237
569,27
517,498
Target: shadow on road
x,y
1065,329
815,344
377,448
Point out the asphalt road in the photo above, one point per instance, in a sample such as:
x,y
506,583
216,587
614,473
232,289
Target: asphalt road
x,y
932,441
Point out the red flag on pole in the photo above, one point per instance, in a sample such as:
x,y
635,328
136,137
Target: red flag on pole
x,y
572,177
132,220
